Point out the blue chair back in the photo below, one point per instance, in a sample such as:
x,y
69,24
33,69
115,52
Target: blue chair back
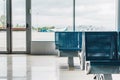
x,y
68,41
101,45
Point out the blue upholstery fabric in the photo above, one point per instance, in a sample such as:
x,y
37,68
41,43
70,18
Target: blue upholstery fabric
x,y
101,45
71,41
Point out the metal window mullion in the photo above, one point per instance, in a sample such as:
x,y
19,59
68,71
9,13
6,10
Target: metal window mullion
x,y
118,23
73,15
28,26
9,25
118,16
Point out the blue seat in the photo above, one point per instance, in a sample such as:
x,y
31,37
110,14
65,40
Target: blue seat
x,y
68,44
101,48
68,41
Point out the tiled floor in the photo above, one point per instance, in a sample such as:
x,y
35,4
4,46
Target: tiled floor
x,y
29,67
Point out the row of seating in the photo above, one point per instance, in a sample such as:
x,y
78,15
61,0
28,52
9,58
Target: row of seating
x,y
100,48
95,48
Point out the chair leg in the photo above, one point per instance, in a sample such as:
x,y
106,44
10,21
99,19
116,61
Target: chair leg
x,y
82,61
102,77
70,62
87,67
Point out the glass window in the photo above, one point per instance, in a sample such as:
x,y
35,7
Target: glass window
x,y
3,32
95,15
19,27
51,16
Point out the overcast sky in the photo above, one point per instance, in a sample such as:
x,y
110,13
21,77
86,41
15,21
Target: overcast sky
x,y
60,12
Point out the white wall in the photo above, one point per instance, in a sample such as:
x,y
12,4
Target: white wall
x,y
43,47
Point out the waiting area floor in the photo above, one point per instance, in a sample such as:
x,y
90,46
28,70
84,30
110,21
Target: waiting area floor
x,y
37,67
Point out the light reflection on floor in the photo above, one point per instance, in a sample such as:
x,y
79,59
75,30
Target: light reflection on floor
x,y
29,67
22,67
